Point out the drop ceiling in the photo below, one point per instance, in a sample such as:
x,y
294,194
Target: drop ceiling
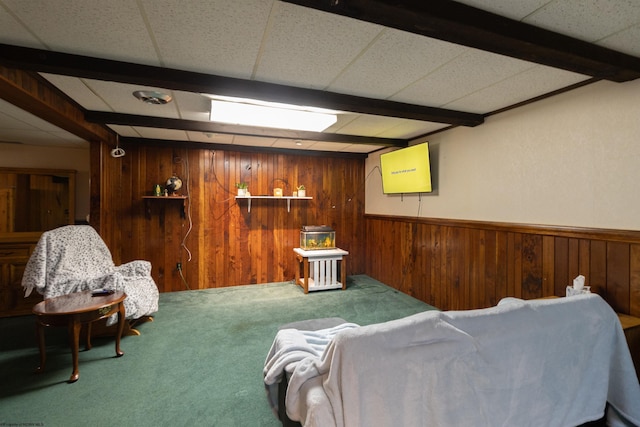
x,y
397,70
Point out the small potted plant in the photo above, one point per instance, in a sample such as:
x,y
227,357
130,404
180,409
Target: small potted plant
x,y
242,188
302,191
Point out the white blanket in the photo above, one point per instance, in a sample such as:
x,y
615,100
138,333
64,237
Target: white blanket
x,y
289,347
522,363
74,258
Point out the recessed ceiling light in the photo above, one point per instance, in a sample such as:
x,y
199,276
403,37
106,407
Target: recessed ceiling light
x,y
152,97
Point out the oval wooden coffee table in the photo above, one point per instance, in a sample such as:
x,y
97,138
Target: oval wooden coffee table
x,y
74,310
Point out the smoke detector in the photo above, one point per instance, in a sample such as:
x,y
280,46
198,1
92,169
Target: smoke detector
x,y
152,97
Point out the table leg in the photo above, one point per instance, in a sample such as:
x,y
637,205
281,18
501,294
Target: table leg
x,y
41,345
121,321
74,338
298,260
343,273
306,275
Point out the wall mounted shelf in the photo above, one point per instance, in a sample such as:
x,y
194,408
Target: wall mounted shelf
x,y
147,199
287,198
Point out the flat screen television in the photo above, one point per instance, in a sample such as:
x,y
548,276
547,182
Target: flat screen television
x,y
406,170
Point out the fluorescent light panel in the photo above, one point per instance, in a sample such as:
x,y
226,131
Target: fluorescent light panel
x,y
249,112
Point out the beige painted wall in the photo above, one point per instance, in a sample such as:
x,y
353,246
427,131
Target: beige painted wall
x,y
31,156
573,159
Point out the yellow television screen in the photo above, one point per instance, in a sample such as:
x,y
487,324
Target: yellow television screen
x,y
406,170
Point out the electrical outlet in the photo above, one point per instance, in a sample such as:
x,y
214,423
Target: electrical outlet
x,y
179,266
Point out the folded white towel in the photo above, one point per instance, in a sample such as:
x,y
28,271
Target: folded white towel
x,y
289,347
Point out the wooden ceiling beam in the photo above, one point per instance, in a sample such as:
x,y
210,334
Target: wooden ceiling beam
x,y
465,25
129,141
34,94
210,127
167,78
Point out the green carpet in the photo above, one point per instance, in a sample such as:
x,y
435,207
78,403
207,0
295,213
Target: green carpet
x,y
198,364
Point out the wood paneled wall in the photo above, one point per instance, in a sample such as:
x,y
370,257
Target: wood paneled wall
x,y
224,244
447,263
472,264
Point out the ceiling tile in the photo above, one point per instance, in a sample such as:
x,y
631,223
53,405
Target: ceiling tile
x,y
69,139
326,146
624,41
360,148
14,33
293,144
277,42
387,127
124,131
310,49
253,141
78,90
211,138
113,29
165,134
470,72
521,87
405,56
119,98
12,117
513,9
409,129
39,137
222,37
589,20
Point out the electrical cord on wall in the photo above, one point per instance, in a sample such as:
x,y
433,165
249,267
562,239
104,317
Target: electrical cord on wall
x,y
419,194
183,244
189,216
215,176
182,276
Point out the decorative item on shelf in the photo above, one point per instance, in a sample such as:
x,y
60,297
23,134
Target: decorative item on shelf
x,y
277,192
302,192
173,185
295,194
242,188
157,190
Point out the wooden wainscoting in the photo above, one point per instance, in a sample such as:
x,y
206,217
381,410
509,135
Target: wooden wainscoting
x,y
224,244
473,264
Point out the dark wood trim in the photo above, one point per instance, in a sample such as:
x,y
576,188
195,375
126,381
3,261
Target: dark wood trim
x,y
96,166
465,25
629,236
128,141
34,94
200,126
125,72
545,96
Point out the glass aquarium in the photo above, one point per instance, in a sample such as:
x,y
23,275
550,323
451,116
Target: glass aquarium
x,y
317,237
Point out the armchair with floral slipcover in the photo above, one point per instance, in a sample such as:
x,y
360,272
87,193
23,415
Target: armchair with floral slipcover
x,y
74,258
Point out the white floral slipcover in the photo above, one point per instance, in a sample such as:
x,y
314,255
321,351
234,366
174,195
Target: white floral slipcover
x,y
74,258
